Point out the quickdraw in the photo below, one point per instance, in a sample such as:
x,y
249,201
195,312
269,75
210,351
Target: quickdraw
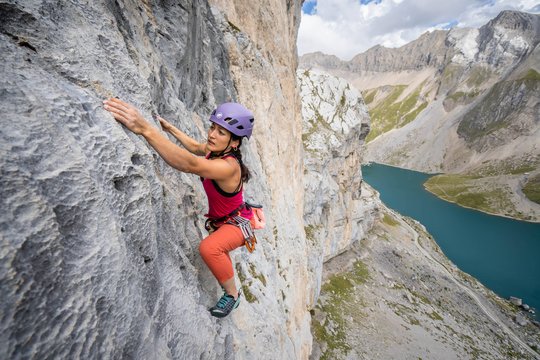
x,y
245,226
235,219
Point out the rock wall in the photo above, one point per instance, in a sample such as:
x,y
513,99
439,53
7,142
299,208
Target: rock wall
x,y
336,211
99,236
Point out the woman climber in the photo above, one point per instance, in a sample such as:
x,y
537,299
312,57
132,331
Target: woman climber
x,y
222,173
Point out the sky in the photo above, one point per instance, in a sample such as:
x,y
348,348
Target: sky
x,y
348,27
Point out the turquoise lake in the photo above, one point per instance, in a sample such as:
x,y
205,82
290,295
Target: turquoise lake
x,y
502,253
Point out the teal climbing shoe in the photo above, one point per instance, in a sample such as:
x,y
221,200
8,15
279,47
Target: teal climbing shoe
x,y
225,305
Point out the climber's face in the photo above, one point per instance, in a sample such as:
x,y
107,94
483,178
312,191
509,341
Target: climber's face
x,y
219,139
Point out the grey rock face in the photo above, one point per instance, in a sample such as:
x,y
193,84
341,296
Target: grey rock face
x,y
89,266
99,236
427,50
320,59
498,37
510,109
335,125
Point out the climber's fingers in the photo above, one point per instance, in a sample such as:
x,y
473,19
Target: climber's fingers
x,y
126,114
165,125
117,110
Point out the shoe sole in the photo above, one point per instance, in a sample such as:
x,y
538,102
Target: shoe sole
x,y
222,315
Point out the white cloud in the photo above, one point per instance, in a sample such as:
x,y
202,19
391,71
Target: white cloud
x,y
345,27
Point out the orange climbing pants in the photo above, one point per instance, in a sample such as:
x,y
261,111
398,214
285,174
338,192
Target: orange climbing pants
x,y
215,249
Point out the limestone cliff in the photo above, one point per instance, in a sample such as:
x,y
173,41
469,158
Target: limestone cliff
x,y
335,124
99,236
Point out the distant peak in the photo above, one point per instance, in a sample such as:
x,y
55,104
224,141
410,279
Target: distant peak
x,y
511,19
318,54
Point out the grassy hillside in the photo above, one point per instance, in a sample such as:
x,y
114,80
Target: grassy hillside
x,y
389,113
498,110
486,189
532,189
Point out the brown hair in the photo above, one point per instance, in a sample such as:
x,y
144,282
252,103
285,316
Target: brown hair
x,y
245,173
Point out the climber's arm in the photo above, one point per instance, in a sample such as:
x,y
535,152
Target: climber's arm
x,y
178,158
173,155
188,142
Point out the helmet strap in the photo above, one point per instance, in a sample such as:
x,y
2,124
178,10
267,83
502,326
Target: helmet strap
x,y
224,151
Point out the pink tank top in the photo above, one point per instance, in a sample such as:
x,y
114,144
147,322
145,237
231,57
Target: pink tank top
x,y
222,203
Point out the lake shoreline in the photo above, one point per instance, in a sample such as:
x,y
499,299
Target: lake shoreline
x,y
497,250
534,221
475,209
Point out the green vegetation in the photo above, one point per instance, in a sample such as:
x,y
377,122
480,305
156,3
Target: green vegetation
x,y
390,113
422,298
413,114
531,80
482,194
318,123
435,316
531,75
404,312
457,95
460,96
510,166
456,188
470,190
369,96
257,275
389,220
338,303
248,295
497,108
381,116
532,189
478,76
311,231
342,101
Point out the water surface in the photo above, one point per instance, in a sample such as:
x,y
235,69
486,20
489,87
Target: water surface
x,y
504,254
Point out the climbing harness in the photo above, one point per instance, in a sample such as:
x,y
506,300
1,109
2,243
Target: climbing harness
x,y
245,226
234,218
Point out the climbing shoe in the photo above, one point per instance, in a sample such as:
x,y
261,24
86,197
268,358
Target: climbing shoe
x,y
225,305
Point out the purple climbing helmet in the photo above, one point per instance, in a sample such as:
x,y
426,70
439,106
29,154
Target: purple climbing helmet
x,y
235,118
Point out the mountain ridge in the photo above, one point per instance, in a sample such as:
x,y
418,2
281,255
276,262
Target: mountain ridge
x,y
435,97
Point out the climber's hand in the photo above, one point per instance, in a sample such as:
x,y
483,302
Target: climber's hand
x,y
127,114
165,125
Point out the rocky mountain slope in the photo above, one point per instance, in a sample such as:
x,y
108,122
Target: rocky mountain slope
x,y
390,293
394,295
460,101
